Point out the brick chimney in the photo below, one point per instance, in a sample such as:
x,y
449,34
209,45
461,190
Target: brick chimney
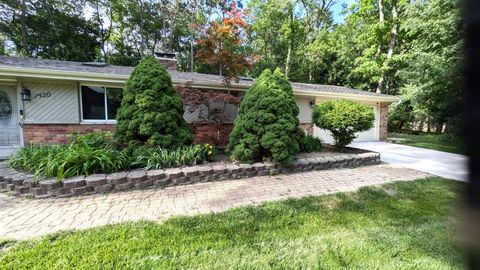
x,y
168,60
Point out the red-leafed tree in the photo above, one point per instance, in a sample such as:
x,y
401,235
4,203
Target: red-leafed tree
x,y
220,45
211,106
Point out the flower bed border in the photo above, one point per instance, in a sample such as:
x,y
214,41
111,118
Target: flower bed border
x,y
25,184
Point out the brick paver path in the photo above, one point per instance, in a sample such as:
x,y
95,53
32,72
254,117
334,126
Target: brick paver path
x,y
24,218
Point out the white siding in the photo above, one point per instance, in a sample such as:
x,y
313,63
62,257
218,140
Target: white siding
x,y
305,114
52,102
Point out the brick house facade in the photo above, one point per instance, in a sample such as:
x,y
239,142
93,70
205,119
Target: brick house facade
x,y
77,97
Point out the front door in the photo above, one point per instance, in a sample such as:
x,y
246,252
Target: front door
x,y
9,127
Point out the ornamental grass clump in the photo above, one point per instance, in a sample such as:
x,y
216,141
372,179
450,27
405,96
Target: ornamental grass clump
x,y
151,112
343,118
83,155
267,125
158,158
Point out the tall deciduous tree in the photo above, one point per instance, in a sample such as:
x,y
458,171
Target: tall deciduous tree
x,y
221,45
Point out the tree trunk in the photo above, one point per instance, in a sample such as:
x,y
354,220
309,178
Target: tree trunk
x,y
142,37
290,41
391,47
381,20
24,26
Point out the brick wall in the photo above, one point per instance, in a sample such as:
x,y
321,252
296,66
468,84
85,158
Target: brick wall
x,y
307,127
58,133
205,133
383,120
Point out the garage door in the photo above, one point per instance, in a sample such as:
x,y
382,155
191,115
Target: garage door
x,y
366,136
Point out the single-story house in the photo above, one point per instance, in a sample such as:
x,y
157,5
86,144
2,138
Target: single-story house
x,y
42,101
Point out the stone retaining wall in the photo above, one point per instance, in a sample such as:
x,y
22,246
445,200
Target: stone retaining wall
x,y
24,184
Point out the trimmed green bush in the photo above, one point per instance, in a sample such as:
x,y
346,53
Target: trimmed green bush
x,y
343,118
310,143
152,111
267,125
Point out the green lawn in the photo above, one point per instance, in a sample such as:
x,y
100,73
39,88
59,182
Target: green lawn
x,y
406,225
440,142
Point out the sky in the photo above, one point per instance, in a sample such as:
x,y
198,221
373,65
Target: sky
x,y
337,9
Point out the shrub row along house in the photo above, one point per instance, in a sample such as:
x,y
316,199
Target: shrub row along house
x,y
43,101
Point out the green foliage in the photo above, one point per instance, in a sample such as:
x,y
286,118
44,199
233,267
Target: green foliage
x,y
267,124
310,143
158,158
343,118
49,29
92,139
404,225
91,154
400,116
433,77
151,110
446,142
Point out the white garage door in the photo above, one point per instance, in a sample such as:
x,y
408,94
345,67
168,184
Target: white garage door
x,y
369,135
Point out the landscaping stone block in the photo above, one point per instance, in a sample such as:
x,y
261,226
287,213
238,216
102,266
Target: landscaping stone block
x,y
117,178
155,175
211,177
162,183
74,182
219,169
49,184
21,189
246,167
144,184
173,173
80,190
62,192
96,180
190,171
3,185
191,179
232,168
223,176
103,188
124,186
274,171
37,191
31,182
10,187
136,176
205,170
258,166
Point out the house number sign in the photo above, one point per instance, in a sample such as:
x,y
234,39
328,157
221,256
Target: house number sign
x,y
42,95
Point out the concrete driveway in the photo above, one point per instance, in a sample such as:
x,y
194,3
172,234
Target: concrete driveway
x,y
447,165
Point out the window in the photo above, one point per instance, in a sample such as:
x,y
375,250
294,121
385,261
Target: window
x,y
100,103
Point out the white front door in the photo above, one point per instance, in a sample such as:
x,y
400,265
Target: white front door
x,y
9,127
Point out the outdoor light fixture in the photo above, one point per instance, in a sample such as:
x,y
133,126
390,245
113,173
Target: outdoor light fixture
x,y
25,94
311,103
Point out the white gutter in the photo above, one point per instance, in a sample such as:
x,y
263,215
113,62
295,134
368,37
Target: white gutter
x,y
121,79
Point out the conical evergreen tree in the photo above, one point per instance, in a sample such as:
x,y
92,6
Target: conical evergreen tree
x,y
267,125
152,111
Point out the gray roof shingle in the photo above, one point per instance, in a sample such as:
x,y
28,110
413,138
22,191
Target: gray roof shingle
x,y
43,64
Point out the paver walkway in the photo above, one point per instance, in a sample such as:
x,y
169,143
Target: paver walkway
x,y
24,218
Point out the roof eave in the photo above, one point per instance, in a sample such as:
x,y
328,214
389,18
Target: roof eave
x,y
121,79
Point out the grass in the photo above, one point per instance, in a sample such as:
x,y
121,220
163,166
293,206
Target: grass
x,y
405,225
440,142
